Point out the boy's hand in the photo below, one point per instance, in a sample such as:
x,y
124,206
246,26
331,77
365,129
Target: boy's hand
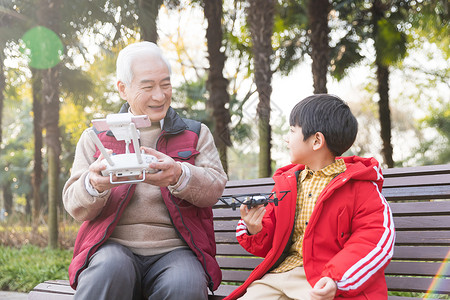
x,y
324,289
253,217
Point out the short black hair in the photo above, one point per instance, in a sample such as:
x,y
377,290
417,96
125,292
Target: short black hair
x,y
329,115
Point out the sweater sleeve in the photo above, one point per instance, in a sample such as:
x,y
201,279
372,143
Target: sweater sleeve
x,y
77,200
369,247
207,178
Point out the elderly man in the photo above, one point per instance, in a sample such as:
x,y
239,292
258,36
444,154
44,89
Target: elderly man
x,y
154,239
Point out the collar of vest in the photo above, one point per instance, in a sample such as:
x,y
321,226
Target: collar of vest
x,y
173,123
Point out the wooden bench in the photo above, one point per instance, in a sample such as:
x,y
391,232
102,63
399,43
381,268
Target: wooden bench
x,y
420,201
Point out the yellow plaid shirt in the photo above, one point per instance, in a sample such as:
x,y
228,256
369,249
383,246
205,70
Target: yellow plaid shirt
x,y
310,185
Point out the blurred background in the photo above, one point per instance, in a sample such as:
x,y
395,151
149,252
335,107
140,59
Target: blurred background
x,y
238,66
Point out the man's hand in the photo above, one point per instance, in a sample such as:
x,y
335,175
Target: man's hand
x,y
253,217
324,289
170,170
98,181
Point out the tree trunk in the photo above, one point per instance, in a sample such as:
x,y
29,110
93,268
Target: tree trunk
x,y
7,197
2,99
37,131
50,92
217,84
28,199
385,113
49,17
260,19
147,15
378,10
2,96
318,11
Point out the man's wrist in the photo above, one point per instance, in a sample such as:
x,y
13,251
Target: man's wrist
x,y
91,190
183,179
180,168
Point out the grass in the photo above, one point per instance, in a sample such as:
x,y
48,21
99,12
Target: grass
x,y
23,268
25,260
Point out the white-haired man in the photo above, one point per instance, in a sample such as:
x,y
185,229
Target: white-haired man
x,y
154,239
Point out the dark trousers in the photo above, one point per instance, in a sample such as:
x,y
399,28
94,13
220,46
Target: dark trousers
x,y
114,272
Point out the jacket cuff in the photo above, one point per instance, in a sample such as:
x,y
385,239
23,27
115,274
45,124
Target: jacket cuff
x,y
91,190
241,228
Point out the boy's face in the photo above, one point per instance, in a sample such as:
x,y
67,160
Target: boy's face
x,y
300,151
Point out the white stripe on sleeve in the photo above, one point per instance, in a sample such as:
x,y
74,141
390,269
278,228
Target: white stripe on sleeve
x,y
360,272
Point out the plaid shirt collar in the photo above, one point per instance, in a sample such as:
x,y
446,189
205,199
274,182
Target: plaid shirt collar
x,y
333,170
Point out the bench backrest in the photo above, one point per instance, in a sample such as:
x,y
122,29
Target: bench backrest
x,y
420,201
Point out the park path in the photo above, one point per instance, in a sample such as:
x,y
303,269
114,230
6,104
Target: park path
x,y
13,296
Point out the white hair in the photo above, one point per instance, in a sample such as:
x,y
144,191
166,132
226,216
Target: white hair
x,y
128,54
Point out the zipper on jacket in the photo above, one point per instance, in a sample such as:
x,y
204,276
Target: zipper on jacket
x,y
103,238
210,283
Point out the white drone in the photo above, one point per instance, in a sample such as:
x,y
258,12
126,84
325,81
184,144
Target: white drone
x,y
124,127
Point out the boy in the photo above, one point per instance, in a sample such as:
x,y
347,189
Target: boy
x,y
332,236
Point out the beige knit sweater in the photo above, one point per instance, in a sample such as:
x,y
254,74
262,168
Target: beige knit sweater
x,y
145,226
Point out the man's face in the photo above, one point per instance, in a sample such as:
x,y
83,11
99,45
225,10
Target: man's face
x,y
150,91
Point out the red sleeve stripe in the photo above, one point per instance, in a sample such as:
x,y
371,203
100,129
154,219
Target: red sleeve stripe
x,y
360,272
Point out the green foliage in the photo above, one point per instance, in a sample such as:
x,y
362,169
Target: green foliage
x,y
431,22
290,35
440,120
189,100
22,269
17,151
390,42
345,55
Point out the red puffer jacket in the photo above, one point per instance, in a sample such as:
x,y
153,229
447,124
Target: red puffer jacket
x,y
349,237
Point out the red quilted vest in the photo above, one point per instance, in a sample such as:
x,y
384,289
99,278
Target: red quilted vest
x,y
194,224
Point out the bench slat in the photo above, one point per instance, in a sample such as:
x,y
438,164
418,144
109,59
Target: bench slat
x,y
238,262
416,268
421,208
421,252
401,223
392,194
408,298
52,290
414,284
231,249
56,287
422,238
422,222
234,276
412,171
402,237
429,253
417,193
437,207
417,180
